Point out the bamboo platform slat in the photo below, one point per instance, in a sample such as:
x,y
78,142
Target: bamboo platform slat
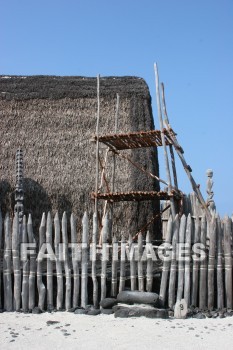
x,y
135,196
133,140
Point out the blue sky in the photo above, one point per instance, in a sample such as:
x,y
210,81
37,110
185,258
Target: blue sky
x,y
192,41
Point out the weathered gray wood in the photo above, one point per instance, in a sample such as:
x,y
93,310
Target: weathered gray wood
x,y
114,266
16,263
210,183
40,284
187,277
76,273
0,258
180,287
168,174
220,290
180,309
166,264
59,273
172,280
32,268
49,240
105,234
228,261
149,267
84,276
133,265
140,263
25,281
7,283
203,268
211,263
196,263
122,265
94,246
66,263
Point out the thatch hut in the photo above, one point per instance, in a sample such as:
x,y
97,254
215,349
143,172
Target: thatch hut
x,y
52,119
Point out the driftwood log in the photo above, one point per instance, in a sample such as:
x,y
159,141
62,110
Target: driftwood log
x,y
40,284
195,274
140,263
211,262
180,287
25,282
220,289
187,277
16,263
49,241
228,261
66,262
203,268
75,264
93,268
133,266
149,267
105,234
172,280
114,267
32,269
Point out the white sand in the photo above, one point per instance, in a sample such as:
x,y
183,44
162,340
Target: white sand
x,y
21,331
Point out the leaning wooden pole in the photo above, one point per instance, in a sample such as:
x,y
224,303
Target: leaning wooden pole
x,y
25,281
173,161
32,269
7,262
59,272
75,263
49,241
40,284
228,261
66,262
16,263
173,210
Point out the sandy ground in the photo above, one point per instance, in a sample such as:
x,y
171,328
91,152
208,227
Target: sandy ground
x,y
21,331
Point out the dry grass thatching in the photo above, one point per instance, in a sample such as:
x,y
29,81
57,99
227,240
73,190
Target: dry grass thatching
x,y
52,120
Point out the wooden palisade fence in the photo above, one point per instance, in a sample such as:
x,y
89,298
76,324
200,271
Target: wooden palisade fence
x,y
75,277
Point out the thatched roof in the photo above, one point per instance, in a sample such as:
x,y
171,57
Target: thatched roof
x,y
52,119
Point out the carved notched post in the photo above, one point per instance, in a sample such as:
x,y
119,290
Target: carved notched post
x,y
19,194
209,190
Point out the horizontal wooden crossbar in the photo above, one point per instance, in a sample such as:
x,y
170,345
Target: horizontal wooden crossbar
x,y
137,139
134,196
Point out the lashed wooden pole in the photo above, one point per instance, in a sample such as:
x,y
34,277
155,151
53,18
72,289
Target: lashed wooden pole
x,y
40,284
59,272
203,267
172,280
93,267
187,278
105,233
114,266
76,274
166,263
16,263
25,282
180,287
140,263
97,144
7,262
220,290
122,265
173,210
32,269
228,261
84,276
149,267
66,262
195,275
49,241
133,267
0,258
211,263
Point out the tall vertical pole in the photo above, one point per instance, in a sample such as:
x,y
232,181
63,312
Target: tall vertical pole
x,y
97,143
173,211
